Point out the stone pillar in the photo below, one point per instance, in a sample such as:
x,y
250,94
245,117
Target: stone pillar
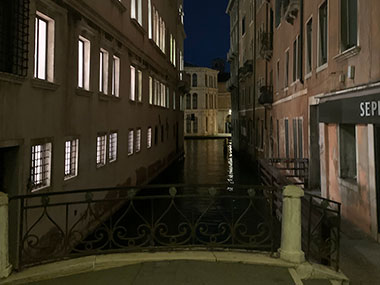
x,y
291,225
5,267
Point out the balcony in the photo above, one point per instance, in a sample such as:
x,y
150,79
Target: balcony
x,y
291,11
266,95
184,82
266,46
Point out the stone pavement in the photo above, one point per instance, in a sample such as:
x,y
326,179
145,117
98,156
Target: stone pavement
x,y
177,267
360,256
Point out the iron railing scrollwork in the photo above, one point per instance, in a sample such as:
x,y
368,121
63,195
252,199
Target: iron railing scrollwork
x,y
56,226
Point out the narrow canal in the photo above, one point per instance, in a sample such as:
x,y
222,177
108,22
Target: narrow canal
x,y
209,161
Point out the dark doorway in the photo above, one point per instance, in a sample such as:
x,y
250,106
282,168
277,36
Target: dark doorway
x,y
9,170
377,171
314,153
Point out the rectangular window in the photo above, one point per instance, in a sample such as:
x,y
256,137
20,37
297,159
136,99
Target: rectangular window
x,y
347,151
101,144
112,147
103,71
150,22
44,48
150,90
138,140
130,142
40,166
243,26
84,63
174,107
139,85
322,54
136,10
278,75
115,76
295,59
40,48
309,45
195,125
287,138
132,95
71,158
149,138
349,22
188,124
286,80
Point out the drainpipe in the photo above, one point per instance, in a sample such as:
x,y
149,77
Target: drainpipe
x,y
301,39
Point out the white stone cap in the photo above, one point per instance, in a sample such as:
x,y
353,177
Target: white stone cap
x,y
293,191
3,199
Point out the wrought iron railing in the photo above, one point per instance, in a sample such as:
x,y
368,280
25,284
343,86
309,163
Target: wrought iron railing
x,y
320,216
56,226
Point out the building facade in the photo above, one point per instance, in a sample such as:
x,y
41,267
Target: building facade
x,y
201,104
315,82
90,92
224,107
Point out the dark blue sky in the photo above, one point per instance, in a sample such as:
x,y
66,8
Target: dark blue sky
x,y
207,28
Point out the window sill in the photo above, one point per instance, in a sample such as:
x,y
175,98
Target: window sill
x,y
322,67
349,183
69,178
98,166
347,53
307,76
11,78
43,84
42,188
119,4
138,26
112,161
83,92
106,97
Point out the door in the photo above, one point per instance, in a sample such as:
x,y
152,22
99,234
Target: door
x,y
377,171
9,170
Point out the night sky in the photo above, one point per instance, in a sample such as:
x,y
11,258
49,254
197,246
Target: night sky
x,y
207,28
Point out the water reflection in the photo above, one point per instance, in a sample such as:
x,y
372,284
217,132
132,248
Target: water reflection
x,y
209,162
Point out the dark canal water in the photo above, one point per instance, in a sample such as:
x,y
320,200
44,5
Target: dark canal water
x,y
209,162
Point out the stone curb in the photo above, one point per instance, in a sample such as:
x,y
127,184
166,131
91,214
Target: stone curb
x,y
103,262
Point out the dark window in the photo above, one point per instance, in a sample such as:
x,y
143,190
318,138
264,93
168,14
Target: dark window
x,y
295,57
349,22
278,13
188,101
155,135
286,138
14,27
195,125
323,34
195,101
243,26
195,80
286,81
347,151
188,124
309,42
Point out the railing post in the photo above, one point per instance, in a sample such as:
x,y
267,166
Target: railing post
x,y
5,267
291,225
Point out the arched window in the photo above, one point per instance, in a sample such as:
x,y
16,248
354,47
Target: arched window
x,y
188,101
195,80
195,101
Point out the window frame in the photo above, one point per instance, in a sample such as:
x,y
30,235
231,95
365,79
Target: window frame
x,y
71,174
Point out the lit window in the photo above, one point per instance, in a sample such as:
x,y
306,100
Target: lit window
x,y
139,85
150,22
115,76
174,107
158,30
84,63
130,142
138,140
101,142
103,71
149,138
112,144
44,47
150,90
136,10
133,84
71,158
40,166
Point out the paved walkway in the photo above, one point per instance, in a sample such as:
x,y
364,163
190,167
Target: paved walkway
x,y
181,272
360,256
